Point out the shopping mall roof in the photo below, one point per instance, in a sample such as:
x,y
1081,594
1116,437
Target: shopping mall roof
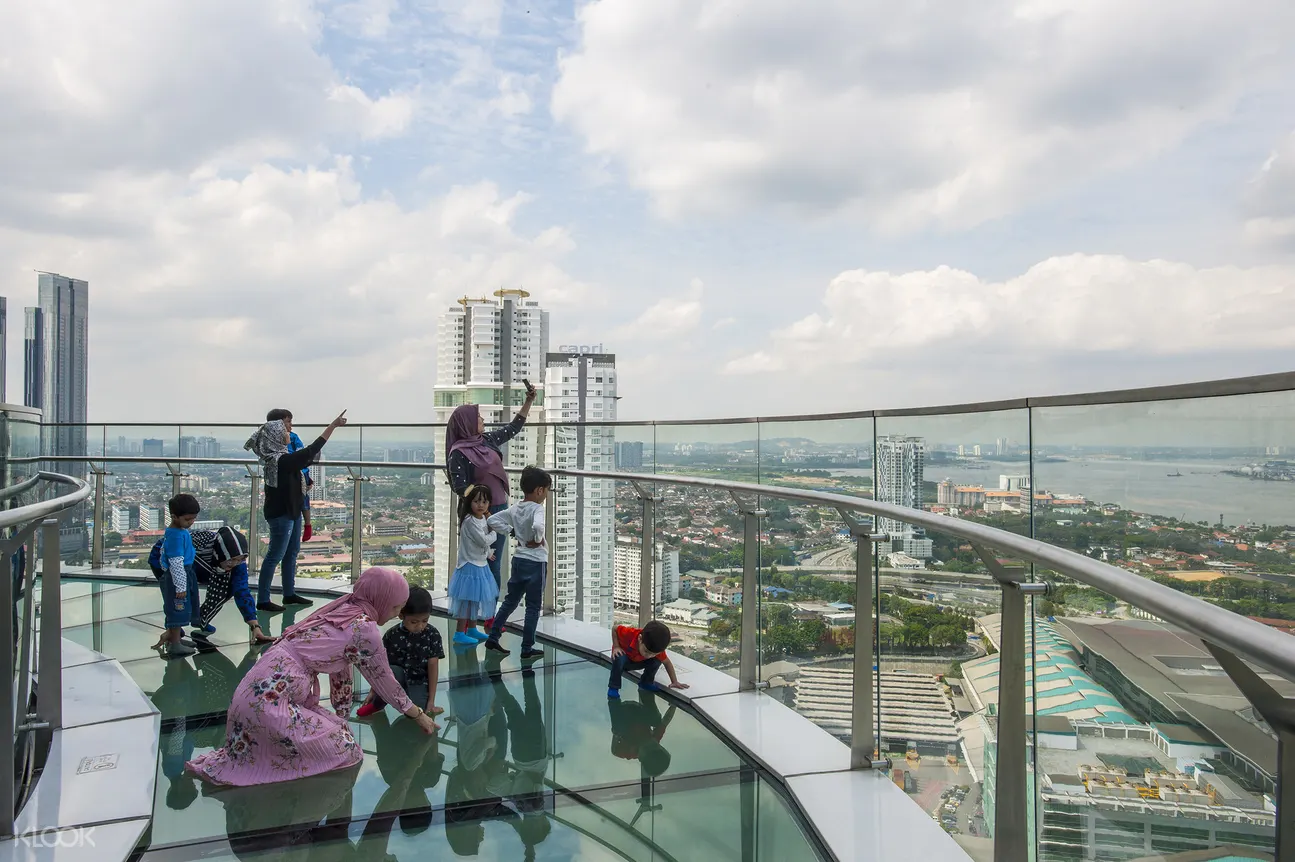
x,y
1174,669
1064,689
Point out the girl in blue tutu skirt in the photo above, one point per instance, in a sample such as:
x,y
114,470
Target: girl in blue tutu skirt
x,y
473,591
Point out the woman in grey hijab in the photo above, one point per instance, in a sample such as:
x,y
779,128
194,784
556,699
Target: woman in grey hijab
x,y
284,495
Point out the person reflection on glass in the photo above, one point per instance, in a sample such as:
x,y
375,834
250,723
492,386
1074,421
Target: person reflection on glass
x,y
472,789
261,817
637,731
175,699
528,740
410,763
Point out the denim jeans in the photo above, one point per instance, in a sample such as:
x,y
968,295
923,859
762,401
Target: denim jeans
x,y
178,615
528,581
622,663
285,543
500,540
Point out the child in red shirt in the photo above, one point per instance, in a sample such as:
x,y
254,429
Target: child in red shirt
x,y
644,648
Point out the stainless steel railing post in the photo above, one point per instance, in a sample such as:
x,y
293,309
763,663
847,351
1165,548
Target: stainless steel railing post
x,y
863,740
357,478
49,700
647,562
748,653
8,797
253,523
100,527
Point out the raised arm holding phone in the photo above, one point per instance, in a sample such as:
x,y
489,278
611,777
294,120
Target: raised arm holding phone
x,y
284,502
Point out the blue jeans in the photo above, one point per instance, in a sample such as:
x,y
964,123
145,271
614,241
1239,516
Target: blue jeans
x,y
500,540
622,663
182,613
527,580
285,543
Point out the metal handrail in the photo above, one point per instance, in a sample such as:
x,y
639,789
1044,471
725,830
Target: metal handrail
x,y
21,488
46,508
1278,382
16,724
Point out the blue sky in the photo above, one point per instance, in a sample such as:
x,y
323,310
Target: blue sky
x,y
760,207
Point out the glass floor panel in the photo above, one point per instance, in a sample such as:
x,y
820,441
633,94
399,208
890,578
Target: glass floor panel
x,y
513,742
529,764
729,816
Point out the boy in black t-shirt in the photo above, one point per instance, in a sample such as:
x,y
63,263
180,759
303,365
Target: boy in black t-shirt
x,y
414,651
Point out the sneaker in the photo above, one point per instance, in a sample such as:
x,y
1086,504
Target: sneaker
x,y
613,694
493,646
206,629
179,650
269,607
201,634
297,600
477,633
465,640
367,710
532,653
652,686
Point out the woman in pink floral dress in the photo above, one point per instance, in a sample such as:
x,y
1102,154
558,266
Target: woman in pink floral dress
x,y
277,729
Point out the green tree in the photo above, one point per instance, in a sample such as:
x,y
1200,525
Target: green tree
x,y
947,636
778,615
112,539
720,628
420,577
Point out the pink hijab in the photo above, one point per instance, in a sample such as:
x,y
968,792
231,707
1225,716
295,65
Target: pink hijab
x,y
375,593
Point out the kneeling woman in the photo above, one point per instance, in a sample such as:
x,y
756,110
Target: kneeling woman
x,y
277,729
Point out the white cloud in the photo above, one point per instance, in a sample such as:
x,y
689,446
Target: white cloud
x,y
472,17
911,114
669,317
1270,199
1073,305
153,86
376,118
513,98
372,18
286,281
201,192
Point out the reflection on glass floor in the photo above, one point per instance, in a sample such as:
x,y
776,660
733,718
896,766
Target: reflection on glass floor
x,y
529,764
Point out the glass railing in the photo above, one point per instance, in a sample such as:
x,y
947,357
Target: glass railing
x,y
1139,743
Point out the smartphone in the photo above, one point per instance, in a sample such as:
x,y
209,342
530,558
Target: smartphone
x,y
527,384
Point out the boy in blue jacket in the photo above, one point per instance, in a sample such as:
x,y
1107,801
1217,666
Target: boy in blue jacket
x,y
172,564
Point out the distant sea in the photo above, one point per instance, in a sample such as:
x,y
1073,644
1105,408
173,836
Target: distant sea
x,y
1201,493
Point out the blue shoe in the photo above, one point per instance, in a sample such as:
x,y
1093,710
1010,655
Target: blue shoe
x,y
478,634
652,686
465,640
613,694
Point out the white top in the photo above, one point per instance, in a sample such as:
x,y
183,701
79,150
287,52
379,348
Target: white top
x,y
475,542
525,521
